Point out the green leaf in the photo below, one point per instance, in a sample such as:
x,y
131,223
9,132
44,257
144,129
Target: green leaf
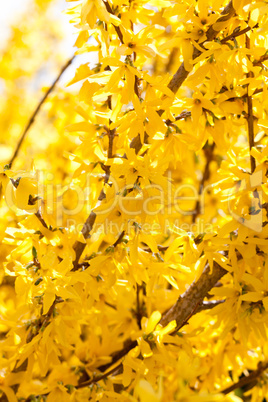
x,y
34,252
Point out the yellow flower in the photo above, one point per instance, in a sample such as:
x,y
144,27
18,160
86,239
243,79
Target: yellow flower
x,y
142,42
153,333
196,104
145,391
260,292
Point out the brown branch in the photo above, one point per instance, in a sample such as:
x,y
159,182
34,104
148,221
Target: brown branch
x,y
43,320
261,60
181,116
110,147
256,92
188,303
79,247
138,306
171,58
249,379
128,345
120,239
250,116
33,116
99,378
118,31
204,306
251,131
181,74
160,248
40,218
209,158
186,114
208,305
136,142
88,225
237,33
39,325
136,86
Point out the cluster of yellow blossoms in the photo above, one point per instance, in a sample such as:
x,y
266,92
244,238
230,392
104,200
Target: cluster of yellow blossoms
x,y
135,258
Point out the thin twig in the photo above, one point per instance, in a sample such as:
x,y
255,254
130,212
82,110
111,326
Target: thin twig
x,y
110,147
40,218
41,323
208,305
181,116
209,158
33,116
79,246
251,378
238,33
88,225
136,85
261,60
160,248
171,58
138,306
120,239
128,345
118,31
99,378
181,74
250,117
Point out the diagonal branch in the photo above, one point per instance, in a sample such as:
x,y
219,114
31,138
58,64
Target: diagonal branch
x,y
181,74
101,377
237,33
208,305
250,116
250,379
118,30
208,151
40,325
78,245
138,306
260,61
188,303
128,345
33,116
88,225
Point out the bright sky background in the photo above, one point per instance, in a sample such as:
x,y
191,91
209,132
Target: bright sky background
x,y
10,11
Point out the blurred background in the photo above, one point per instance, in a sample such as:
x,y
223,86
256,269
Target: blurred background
x,y
36,40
